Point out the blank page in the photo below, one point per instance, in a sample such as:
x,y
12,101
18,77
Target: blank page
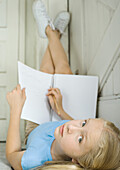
x,y
79,95
36,107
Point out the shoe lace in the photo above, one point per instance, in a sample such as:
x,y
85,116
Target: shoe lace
x,y
50,22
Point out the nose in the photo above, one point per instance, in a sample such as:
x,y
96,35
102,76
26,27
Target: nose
x,y
73,128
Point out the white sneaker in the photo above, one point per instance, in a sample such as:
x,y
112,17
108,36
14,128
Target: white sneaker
x,y
61,21
41,17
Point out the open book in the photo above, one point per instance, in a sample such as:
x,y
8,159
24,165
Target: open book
x,y
79,94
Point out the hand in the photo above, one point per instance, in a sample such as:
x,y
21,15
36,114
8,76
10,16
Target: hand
x,y
16,99
55,94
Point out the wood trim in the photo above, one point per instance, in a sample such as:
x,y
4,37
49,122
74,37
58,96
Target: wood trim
x,y
11,56
83,48
115,97
109,4
76,39
21,53
110,69
106,52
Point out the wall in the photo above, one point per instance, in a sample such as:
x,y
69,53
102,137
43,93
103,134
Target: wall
x,y
92,44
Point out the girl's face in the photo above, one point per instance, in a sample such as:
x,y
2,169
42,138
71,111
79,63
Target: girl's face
x,y
77,137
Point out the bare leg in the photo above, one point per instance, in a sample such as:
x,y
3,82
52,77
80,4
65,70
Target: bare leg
x,y
58,53
47,64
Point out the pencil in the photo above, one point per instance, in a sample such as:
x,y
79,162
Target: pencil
x,y
56,105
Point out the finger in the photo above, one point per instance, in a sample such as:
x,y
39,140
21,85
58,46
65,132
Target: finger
x,y
14,89
23,91
53,92
50,99
50,89
18,87
58,90
55,89
7,94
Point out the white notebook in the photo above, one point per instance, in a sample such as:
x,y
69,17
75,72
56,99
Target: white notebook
x,y
79,94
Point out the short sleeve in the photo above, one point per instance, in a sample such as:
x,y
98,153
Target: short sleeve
x,y
30,159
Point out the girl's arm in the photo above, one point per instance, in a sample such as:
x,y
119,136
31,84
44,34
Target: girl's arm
x,y
16,100
64,116
55,99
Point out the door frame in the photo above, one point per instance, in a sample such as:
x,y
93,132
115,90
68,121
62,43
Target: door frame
x,y
21,50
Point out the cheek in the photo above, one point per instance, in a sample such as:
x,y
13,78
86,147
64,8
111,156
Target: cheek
x,y
57,133
67,142
68,145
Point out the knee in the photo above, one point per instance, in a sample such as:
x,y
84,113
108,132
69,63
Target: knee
x,y
63,70
47,70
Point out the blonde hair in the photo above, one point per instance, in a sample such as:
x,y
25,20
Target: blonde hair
x,y
106,153
104,156
58,165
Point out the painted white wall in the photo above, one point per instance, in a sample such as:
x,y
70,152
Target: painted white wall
x,y
95,50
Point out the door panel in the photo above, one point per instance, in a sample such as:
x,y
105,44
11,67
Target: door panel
x,y
107,49
110,110
116,81
3,13
77,36
8,57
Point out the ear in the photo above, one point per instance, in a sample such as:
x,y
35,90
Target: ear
x,y
74,161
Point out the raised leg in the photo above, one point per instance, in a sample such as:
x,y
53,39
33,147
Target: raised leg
x,y
47,64
58,53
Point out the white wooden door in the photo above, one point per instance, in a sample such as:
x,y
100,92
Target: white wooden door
x,y
106,64
96,49
8,57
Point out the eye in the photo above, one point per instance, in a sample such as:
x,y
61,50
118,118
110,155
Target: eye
x,y
84,123
80,139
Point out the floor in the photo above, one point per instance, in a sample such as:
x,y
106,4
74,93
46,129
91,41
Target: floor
x,y
4,165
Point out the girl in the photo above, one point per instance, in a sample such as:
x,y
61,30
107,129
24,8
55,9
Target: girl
x,y
92,143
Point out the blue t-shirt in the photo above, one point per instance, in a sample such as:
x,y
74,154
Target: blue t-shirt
x,y
39,145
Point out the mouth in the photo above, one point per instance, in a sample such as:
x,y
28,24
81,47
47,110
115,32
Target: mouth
x,y
61,130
